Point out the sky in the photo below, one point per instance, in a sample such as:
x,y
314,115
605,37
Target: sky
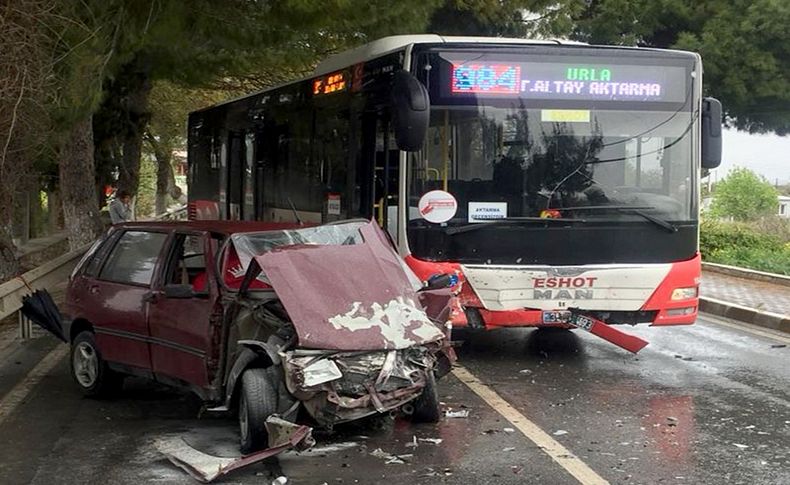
x,y
767,155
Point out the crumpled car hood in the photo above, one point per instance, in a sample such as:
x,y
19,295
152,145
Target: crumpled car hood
x,y
349,297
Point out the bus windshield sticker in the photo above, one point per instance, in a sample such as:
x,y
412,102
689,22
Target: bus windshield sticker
x,y
565,115
487,211
333,204
438,206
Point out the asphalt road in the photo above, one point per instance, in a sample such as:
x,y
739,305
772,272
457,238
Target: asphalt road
x,y
706,404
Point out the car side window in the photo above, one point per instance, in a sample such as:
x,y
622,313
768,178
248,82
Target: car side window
x,y
93,265
134,257
187,265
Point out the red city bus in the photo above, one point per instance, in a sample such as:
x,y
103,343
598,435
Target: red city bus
x,y
559,182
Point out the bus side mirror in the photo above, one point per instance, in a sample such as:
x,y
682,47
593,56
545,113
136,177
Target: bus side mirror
x,y
410,111
711,133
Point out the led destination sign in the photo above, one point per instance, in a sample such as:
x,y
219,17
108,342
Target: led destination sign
x,y
544,80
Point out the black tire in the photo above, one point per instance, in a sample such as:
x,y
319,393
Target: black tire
x,y
426,406
257,401
90,371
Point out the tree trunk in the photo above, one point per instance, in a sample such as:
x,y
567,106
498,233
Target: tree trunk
x,y
78,191
136,104
55,211
165,179
9,265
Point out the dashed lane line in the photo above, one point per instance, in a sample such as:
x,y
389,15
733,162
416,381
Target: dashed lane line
x,y
746,327
20,391
567,460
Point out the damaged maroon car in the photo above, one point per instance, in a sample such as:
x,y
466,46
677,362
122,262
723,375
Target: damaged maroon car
x,y
269,319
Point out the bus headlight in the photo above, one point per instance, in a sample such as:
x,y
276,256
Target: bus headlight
x,y
684,293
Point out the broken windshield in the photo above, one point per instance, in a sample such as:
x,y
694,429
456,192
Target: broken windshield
x,y
244,246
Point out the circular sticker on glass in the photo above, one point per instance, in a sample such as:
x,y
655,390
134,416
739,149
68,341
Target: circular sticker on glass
x,y
438,206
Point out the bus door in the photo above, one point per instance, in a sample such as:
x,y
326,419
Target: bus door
x,y
235,180
386,170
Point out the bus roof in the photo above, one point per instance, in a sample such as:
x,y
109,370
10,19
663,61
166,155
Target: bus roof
x,y
393,43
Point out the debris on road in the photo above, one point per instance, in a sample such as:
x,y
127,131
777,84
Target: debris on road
x,y
435,441
206,468
740,446
560,432
389,458
461,413
509,430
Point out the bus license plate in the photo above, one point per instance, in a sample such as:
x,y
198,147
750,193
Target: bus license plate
x,y
582,322
556,317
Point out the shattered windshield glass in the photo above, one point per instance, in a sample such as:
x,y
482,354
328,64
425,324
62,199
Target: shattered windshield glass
x,y
251,244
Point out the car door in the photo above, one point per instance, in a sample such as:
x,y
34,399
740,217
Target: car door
x,y
116,301
181,310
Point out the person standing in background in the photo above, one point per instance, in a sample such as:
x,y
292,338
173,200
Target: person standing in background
x,y
121,208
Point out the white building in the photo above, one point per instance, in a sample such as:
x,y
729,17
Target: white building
x,y
784,206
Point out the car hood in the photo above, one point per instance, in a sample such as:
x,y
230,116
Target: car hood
x,y
349,297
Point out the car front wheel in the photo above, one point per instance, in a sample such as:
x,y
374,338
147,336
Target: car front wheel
x,y
426,406
89,370
257,401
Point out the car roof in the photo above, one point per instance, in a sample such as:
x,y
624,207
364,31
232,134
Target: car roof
x,y
222,227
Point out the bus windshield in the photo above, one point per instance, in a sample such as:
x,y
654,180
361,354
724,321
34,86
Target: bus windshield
x,y
601,139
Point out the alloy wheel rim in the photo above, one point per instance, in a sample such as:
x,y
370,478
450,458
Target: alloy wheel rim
x,y
86,364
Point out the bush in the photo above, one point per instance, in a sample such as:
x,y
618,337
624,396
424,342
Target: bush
x,y
772,261
758,245
717,236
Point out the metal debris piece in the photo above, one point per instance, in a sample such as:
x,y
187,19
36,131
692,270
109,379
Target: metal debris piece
x,y
435,441
461,413
509,430
740,446
206,468
560,432
413,443
509,448
280,480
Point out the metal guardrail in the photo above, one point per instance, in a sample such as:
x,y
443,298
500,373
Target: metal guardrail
x,y
177,214
49,274
43,277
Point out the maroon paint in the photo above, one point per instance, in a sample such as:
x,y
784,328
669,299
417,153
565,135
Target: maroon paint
x,y
186,324
316,283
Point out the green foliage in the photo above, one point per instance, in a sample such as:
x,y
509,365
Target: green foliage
x,y
772,261
746,245
744,196
146,193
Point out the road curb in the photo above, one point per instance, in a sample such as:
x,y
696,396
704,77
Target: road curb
x,y
734,311
748,274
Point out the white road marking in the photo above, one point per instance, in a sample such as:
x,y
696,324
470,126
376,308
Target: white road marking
x,y
567,460
748,328
20,391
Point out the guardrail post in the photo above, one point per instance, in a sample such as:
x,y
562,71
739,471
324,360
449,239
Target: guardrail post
x,y
25,327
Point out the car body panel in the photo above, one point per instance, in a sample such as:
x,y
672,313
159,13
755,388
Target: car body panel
x,y
349,297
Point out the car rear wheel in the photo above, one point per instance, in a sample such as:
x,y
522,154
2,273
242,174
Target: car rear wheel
x,y
257,401
89,370
426,406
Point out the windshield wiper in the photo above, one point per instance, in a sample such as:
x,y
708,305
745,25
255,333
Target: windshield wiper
x,y
628,209
507,220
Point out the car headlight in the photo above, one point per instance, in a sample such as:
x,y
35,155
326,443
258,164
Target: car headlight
x,y
684,293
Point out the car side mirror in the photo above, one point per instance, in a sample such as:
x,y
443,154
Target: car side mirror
x,y
439,281
183,292
711,133
411,111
